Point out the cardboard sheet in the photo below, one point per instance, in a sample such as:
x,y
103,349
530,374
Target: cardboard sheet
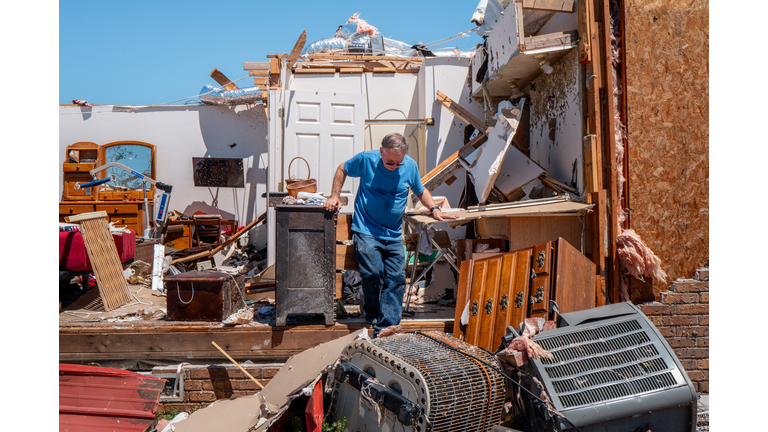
x,y
243,414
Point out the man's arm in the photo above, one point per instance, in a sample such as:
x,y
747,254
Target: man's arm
x,y
334,202
426,199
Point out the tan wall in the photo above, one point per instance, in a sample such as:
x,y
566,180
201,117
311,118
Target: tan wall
x,y
667,63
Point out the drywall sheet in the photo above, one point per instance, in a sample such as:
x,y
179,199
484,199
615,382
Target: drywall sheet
x,y
513,209
667,62
243,414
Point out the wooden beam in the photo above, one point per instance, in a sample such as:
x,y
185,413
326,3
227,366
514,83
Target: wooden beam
x,y
591,169
259,73
584,31
550,5
223,81
296,51
460,112
260,81
249,66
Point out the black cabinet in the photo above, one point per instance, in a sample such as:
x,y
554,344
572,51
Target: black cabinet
x,y
305,262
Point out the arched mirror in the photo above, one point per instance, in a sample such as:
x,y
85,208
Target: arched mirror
x,y
136,156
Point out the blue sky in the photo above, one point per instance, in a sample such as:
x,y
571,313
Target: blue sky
x,y
153,52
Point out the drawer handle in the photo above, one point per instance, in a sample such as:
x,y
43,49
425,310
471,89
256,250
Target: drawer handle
x,y
504,302
519,300
540,259
474,308
488,306
539,294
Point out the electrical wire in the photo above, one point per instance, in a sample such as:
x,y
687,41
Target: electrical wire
x,y
500,372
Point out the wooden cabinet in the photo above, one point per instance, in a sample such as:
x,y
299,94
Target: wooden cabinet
x,y
504,289
126,215
81,157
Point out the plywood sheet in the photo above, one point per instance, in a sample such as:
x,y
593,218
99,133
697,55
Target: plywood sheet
x,y
667,62
525,232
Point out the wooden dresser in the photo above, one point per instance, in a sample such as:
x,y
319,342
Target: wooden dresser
x,y
124,207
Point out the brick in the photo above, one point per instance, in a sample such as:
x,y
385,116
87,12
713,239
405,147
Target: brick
x,y
688,286
656,308
689,364
679,298
678,320
269,372
693,331
657,320
704,320
697,353
193,385
245,385
667,332
702,342
704,297
702,274
693,309
676,342
703,387
203,396
197,373
702,364
698,375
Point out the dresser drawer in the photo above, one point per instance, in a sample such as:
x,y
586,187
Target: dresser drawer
x,y
118,208
539,295
542,258
71,210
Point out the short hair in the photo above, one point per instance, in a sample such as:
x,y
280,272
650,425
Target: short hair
x,y
395,141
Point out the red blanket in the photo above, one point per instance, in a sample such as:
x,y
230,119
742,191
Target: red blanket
x,y
72,254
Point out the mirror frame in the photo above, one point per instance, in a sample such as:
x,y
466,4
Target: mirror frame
x,y
133,194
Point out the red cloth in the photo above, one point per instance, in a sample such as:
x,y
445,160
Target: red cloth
x,y
72,254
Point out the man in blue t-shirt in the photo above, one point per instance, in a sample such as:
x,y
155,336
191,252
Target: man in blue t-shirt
x,y
386,176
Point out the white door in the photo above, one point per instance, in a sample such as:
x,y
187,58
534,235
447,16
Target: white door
x,y
325,129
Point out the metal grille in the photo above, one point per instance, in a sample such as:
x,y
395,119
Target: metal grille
x,y
606,363
465,394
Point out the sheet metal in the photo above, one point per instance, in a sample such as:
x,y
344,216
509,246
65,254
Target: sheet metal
x,y
97,399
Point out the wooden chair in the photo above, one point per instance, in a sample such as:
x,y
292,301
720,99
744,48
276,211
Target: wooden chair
x,y
207,228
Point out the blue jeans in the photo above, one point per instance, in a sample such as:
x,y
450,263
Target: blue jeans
x,y
382,268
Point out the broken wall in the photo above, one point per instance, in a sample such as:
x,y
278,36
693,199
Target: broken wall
x,y
556,122
181,133
667,68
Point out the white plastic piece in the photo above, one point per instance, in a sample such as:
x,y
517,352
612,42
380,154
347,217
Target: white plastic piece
x,y
157,267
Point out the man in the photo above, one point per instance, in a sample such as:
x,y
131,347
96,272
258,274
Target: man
x,y
386,176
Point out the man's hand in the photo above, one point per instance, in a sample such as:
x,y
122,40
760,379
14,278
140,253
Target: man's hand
x,y
332,204
439,215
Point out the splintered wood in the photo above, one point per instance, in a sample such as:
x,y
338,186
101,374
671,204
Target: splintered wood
x,y
667,61
105,261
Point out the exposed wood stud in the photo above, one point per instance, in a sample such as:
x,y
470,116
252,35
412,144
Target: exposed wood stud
x,y
223,81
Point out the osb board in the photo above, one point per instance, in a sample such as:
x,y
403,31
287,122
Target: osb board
x,y
667,50
526,231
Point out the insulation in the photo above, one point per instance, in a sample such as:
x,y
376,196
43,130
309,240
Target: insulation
x,y
667,65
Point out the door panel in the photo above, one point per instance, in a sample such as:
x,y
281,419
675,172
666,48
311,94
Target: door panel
x,y
326,129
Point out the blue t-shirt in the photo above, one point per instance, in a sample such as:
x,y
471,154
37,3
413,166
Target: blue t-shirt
x,y
382,194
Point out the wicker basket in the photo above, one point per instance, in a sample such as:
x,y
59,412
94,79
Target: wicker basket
x,y
290,179
309,185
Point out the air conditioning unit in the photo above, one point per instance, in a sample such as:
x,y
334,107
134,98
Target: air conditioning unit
x,y
613,371
417,382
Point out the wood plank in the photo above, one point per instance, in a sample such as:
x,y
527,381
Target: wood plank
x,y
550,5
304,71
550,40
345,257
192,343
260,81
489,304
575,280
256,65
460,112
584,29
527,231
296,51
590,167
351,70
222,79
259,73
343,227
361,57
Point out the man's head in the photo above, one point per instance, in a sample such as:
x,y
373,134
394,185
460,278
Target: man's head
x,y
393,150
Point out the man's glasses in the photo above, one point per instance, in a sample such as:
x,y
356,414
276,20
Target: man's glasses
x,y
393,164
